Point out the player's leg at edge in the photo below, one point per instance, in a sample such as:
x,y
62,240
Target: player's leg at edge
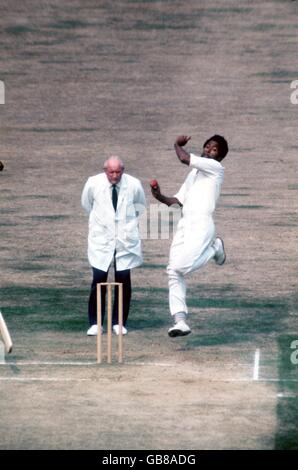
x,y
180,327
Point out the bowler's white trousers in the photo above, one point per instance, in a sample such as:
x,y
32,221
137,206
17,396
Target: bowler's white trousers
x,y
190,250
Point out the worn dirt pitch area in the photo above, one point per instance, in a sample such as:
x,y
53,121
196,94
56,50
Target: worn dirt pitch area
x,y
86,79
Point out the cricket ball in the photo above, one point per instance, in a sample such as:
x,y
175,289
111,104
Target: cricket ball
x,y
154,184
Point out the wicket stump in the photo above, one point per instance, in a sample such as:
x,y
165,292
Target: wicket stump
x,y
4,333
109,286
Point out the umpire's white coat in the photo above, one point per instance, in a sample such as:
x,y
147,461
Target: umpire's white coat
x,y
111,231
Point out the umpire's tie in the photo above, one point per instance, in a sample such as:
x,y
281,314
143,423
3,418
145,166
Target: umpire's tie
x,y
114,196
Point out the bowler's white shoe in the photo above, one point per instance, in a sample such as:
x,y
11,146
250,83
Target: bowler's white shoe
x,y
179,329
116,329
93,330
220,254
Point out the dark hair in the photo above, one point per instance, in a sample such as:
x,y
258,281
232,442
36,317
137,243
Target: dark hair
x,y
222,144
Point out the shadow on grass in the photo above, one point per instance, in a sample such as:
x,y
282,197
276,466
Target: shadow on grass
x,y
65,309
45,308
153,266
149,308
236,320
224,315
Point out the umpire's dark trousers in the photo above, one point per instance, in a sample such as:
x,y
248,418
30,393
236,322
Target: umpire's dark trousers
x,y
102,276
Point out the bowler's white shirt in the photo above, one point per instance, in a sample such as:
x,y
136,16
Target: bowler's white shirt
x,y
201,188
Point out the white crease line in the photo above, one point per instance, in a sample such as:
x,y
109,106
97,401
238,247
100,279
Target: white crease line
x,y
41,379
80,363
54,379
48,363
278,380
155,364
256,365
148,364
